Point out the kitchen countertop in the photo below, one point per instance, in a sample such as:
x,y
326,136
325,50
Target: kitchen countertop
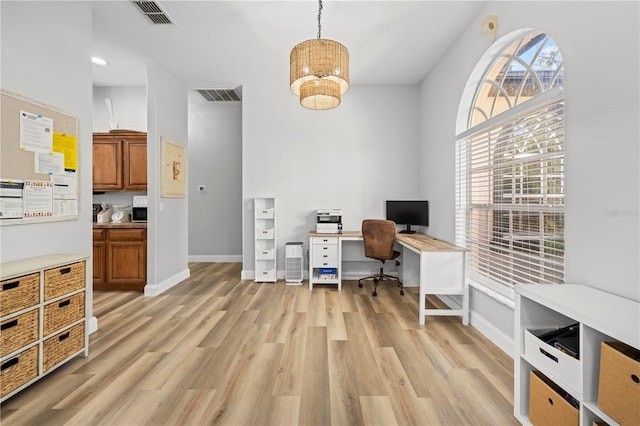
x,y
120,225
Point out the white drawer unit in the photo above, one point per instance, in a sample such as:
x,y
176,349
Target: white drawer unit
x,y
265,239
329,241
266,254
265,234
324,264
325,256
265,213
267,275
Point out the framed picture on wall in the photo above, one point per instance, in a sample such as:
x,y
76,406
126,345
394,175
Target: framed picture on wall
x,y
174,169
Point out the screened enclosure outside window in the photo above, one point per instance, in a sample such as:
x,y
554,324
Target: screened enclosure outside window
x,y
510,168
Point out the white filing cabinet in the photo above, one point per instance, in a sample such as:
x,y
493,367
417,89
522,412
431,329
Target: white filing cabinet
x,y
265,239
324,255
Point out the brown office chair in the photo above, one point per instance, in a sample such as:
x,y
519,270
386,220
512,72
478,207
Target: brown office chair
x,y
378,238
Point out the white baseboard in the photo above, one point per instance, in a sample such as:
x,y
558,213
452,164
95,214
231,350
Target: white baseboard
x,y
93,325
156,289
216,258
490,331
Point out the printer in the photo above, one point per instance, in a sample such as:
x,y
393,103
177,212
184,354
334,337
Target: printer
x,y
329,221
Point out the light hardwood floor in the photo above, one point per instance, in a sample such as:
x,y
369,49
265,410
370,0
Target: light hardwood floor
x,y
219,350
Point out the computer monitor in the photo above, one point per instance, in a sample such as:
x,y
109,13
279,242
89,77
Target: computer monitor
x,y
408,212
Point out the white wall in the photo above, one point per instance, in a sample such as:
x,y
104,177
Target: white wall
x,y
167,226
599,43
45,69
129,106
354,157
215,161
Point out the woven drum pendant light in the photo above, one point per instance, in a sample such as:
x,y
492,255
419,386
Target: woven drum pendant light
x,y
319,71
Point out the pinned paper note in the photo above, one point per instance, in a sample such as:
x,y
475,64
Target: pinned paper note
x,y
51,163
36,132
67,145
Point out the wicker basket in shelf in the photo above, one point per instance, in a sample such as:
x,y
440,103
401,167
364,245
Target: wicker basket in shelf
x,y
62,345
63,312
18,331
62,280
19,293
18,370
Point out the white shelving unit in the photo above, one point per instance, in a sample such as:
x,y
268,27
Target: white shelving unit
x,y
601,317
265,239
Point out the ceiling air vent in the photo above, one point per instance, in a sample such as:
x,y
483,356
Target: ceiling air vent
x,y
220,95
153,11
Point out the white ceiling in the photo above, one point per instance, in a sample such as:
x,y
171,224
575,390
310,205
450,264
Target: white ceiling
x,y
220,44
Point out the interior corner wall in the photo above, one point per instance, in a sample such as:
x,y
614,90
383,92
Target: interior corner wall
x,y
602,140
167,225
37,62
353,157
215,157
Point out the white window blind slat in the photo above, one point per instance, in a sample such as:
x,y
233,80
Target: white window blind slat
x,y
510,195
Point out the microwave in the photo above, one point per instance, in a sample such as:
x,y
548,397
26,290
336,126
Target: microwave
x,y
138,214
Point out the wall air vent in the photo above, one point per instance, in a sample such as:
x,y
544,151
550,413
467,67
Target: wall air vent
x,y
220,95
154,12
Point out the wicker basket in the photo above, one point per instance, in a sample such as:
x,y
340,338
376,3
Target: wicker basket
x,y
19,293
18,370
18,332
63,280
62,345
63,312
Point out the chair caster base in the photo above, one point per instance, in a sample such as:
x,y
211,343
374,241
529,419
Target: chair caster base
x,y
360,285
401,292
374,294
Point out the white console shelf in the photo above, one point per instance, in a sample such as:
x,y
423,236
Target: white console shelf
x,y
265,239
601,317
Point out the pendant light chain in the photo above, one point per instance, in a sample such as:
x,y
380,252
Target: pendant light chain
x,y
319,13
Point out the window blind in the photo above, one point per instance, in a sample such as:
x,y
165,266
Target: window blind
x,y
510,195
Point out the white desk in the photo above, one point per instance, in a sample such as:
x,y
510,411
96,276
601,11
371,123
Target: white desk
x,y
437,267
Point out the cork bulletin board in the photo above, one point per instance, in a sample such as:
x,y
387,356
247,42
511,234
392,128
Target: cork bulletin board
x,y
39,162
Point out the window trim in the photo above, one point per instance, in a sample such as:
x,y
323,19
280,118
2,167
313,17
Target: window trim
x,y
535,102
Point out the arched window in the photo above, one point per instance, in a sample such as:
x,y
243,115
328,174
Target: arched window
x,y
510,166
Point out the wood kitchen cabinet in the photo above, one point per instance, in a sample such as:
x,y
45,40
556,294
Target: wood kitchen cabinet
x,y
120,161
120,259
99,256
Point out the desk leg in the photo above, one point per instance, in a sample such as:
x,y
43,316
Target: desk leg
x,y
465,305
421,311
310,261
465,295
423,288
